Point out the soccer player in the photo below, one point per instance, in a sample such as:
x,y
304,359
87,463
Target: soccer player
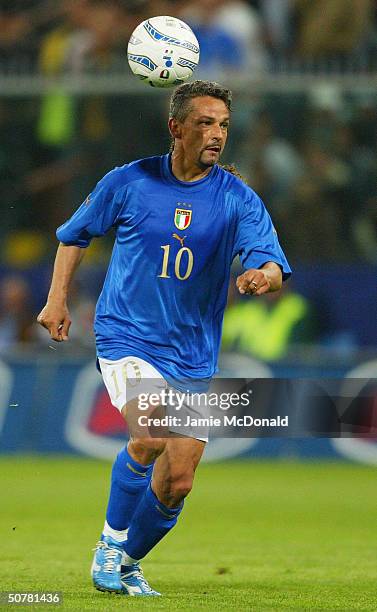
x,y
180,220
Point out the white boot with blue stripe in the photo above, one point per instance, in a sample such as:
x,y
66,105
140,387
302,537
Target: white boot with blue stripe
x,y
134,583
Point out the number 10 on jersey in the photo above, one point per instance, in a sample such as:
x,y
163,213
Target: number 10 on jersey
x,y
177,264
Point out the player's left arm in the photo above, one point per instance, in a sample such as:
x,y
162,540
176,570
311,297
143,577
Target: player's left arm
x,y
267,278
257,244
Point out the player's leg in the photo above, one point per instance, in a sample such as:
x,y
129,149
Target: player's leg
x,y
130,477
131,473
175,468
159,509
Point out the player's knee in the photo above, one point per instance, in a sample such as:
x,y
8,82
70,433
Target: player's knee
x,y
177,489
181,489
146,450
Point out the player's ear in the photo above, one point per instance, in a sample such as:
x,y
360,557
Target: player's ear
x,y
175,128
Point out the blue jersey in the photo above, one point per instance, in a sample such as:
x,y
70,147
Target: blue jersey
x,y
165,290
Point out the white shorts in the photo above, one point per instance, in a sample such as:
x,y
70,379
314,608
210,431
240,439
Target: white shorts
x,y
132,377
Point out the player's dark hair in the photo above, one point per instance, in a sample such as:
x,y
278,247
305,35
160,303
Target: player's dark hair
x,y
183,94
233,170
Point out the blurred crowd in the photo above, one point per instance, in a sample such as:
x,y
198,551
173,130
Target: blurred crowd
x,y
311,157
252,35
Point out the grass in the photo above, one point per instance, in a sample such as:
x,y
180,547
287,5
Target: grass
x,y
253,536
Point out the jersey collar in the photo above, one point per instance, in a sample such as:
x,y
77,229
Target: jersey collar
x,y
186,186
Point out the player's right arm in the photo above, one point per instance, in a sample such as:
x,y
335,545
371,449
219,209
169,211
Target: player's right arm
x,y
55,315
96,215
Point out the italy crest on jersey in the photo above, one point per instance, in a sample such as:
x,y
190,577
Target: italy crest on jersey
x,y
182,218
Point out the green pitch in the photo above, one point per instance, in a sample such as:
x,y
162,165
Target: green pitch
x,y
253,536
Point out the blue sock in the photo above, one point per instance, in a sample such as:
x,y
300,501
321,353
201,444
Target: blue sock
x,y
150,523
129,481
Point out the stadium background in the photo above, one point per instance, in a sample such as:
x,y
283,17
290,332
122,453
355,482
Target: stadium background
x,y
303,133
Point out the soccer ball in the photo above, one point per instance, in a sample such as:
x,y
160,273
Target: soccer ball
x,y
163,51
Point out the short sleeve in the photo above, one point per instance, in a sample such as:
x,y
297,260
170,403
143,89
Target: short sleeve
x,y
96,215
256,238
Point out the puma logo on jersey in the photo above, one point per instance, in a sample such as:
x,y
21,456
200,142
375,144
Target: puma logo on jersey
x,y
180,238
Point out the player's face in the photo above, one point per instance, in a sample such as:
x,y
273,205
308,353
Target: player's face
x,y
204,131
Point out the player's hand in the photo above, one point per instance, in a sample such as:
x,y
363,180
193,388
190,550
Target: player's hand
x,y
55,318
253,282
